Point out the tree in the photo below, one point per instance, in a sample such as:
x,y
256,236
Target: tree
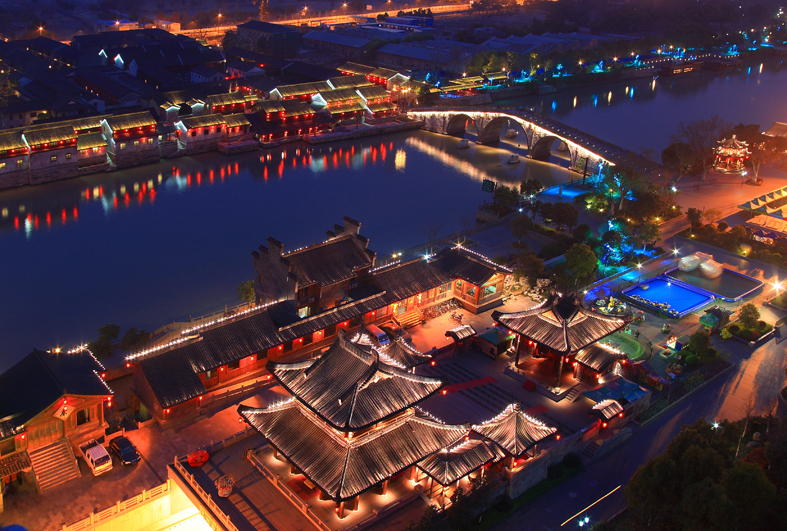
x,y
134,340
647,233
710,215
749,315
531,187
246,291
748,487
582,233
263,10
505,197
530,266
700,137
677,157
612,238
580,262
567,215
230,40
432,228
102,347
625,178
699,342
520,225
534,207
652,492
695,217
705,505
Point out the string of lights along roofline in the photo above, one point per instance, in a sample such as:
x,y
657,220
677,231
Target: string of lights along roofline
x,y
459,246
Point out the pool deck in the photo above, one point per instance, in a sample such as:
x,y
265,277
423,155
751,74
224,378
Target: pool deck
x,y
690,278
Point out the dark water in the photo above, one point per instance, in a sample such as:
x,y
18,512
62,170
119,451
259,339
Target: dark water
x,y
145,246
645,112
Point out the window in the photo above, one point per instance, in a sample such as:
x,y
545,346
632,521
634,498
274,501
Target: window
x,y
136,143
304,312
83,416
20,163
95,150
7,446
53,158
68,156
122,145
205,131
210,374
288,346
150,141
445,287
308,338
471,291
231,366
194,133
330,331
33,114
459,285
2,165
490,290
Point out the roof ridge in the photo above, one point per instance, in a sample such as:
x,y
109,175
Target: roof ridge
x,y
48,370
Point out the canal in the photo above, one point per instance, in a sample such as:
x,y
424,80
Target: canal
x,y
149,245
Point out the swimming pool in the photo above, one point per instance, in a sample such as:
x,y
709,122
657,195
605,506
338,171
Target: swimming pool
x,y
730,286
658,292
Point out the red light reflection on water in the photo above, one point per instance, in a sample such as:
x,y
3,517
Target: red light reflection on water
x,y
48,219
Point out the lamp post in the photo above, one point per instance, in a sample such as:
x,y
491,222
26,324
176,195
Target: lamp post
x,y
40,30
218,20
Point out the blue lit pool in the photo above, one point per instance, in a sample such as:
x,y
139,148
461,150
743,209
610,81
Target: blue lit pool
x,y
657,291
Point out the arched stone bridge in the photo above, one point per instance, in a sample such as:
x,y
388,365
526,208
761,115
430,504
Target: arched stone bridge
x,y
540,131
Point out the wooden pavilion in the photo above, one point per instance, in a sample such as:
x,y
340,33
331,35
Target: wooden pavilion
x,y
559,328
351,424
515,432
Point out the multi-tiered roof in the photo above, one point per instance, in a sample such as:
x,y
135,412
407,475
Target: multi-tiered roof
x,y
561,323
351,423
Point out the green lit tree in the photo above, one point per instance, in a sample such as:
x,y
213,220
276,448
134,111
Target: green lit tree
x,y
749,315
246,291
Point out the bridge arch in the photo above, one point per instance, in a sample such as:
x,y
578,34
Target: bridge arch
x,y
457,124
542,148
495,126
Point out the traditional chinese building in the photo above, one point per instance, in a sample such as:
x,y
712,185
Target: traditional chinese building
x,y
559,328
351,424
49,404
731,154
516,432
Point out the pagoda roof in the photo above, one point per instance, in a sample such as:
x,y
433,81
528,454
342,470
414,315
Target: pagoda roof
x,y
452,464
350,387
346,467
399,354
514,431
561,323
606,409
733,143
599,357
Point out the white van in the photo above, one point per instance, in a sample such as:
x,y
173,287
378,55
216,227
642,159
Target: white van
x,y
96,457
378,336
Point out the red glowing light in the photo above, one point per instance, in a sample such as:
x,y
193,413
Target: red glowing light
x,y
445,392
557,437
434,363
128,365
603,424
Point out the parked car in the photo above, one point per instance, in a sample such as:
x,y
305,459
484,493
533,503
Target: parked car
x,y
378,336
96,457
395,332
125,450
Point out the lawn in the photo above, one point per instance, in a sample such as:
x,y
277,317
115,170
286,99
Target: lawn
x,y
738,329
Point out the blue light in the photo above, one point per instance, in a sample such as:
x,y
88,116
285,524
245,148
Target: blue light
x,y
554,105
595,100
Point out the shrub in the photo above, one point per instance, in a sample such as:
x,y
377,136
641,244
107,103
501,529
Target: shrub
x,y
693,360
572,460
504,504
723,226
734,328
755,334
746,334
761,324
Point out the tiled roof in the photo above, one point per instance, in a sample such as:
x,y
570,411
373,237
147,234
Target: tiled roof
x,y
303,88
465,266
514,431
410,278
226,99
295,108
128,121
234,120
40,379
355,68
451,465
607,409
460,332
350,387
15,463
347,94
561,324
350,82
91,140
12,140
207,120
335,37
50,135
380,107
383,73
598,357
373,92
328,263
400,354
173,374
270,106
344,468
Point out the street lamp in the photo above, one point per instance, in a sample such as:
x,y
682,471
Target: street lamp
x,y
40,30
218,20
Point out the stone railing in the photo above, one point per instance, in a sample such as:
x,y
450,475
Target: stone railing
x,y
206,498
120,507
296,500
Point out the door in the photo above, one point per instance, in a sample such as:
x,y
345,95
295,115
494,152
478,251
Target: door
x,y
45,433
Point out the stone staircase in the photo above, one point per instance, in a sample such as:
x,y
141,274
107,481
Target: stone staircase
x,y
575,393
410,319
590,451
54,464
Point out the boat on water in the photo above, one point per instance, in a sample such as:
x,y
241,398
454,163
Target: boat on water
x,y
511,133
463,144
514,159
